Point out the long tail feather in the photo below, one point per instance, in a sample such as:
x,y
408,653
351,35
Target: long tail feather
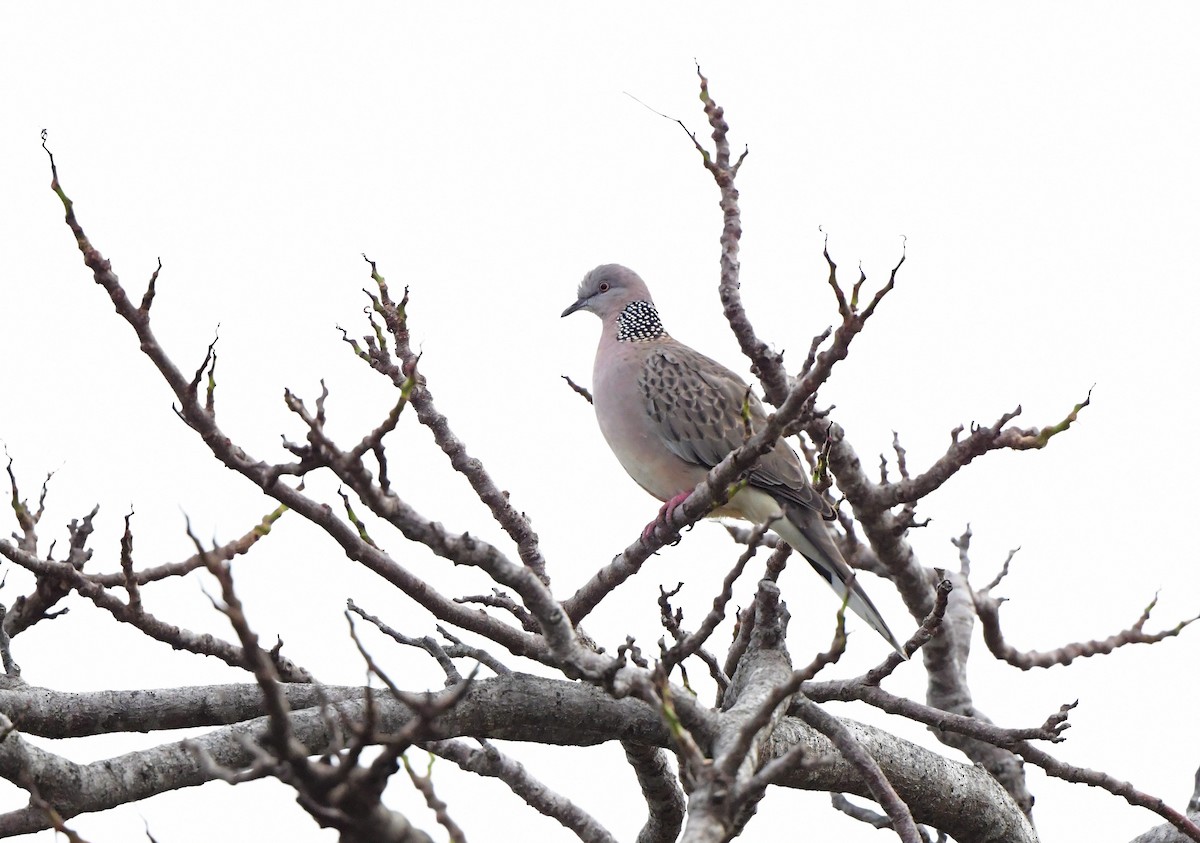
x,y
805,532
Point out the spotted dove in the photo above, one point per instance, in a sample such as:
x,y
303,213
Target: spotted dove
x,y
670,414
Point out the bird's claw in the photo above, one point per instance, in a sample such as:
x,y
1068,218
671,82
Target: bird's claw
x,y
664,517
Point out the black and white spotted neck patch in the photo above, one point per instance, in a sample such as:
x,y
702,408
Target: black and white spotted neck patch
x,y
639,322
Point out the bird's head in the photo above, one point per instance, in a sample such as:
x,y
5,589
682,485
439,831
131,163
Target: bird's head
x,y
607,289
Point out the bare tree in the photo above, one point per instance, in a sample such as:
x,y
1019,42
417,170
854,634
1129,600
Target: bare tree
x,y
703,761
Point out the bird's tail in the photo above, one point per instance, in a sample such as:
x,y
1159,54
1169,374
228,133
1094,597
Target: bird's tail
x,y
804,530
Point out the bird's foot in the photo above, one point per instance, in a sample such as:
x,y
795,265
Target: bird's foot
x,y
664,515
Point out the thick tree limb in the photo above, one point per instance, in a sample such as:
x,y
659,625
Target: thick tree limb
x,y
517,707
961,789
68,714
660,788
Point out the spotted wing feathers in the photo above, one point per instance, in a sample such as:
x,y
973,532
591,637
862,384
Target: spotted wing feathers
x,y
696,404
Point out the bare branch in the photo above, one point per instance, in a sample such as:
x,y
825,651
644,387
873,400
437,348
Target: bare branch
x,y
175,636
513,522
988,609
224,552
579,390
440,809
691,643
490,762
1125,790
963,451
881,789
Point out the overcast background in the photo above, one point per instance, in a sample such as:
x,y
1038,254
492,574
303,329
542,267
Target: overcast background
x,y
1040,159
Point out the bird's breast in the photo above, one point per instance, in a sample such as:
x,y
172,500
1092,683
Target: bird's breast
x,y
627,427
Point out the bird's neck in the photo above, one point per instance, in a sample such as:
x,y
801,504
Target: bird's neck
x,y
639,322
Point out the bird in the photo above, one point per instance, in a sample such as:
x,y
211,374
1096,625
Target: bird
x,y
670,414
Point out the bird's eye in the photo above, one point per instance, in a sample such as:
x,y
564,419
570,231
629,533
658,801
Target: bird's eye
x,y
604,287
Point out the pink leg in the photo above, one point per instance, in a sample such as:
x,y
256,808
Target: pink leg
x,y
663,514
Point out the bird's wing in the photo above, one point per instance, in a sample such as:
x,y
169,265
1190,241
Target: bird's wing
x,y
695,405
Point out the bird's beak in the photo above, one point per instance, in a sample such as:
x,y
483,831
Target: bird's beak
x,y
578,305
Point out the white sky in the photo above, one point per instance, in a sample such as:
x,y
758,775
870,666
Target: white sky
x,y
1040,159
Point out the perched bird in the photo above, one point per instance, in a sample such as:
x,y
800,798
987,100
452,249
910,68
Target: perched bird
x,y
670,414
